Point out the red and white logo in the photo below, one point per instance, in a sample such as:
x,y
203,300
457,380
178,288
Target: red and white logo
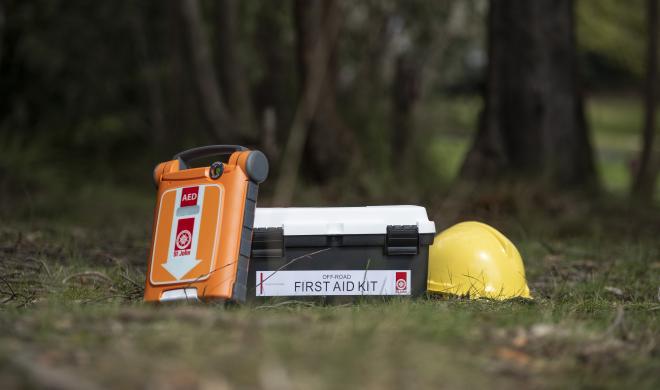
x,y
401,282
183,239
189,196
184,236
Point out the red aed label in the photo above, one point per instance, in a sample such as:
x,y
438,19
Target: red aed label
x,y
401,283
189,196
184,236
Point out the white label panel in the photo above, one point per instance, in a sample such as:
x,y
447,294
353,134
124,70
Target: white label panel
x,y
332,282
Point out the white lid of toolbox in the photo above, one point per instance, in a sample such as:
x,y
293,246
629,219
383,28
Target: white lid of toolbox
x,y
311,221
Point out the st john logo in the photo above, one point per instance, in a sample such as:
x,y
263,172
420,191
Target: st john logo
x,y
184,236
401,282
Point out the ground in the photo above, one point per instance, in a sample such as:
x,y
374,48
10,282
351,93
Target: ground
x,y
72,274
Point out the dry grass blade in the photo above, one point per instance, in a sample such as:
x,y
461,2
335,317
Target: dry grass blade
x,y
617,324
285,303
41,263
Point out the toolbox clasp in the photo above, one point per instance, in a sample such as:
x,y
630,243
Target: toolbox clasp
x,y
402,240
268,243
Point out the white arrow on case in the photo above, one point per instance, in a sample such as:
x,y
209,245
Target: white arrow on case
x,y
179,267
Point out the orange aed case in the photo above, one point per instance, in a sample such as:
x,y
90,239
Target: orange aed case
x,y
202,231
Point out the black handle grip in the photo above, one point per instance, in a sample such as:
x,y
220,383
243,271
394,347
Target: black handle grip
x,y
189,155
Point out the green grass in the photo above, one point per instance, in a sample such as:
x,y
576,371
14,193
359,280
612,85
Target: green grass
x,y
616,115
616,125
398,344
72,313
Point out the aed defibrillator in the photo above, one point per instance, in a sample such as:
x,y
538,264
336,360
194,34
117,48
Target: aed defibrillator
x,y
203,219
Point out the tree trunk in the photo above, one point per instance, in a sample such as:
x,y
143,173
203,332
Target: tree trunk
x,y
274,95
314,59
329,143
232,77
405,92
533,120
215,112
645,178
149,77
2,28
182,110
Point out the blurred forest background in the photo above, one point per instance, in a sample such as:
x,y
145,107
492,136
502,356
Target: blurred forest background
x,y
353,102
537,117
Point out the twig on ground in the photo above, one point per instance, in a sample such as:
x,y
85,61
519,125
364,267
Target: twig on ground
x,y
133,282
8,285
12,294
27,299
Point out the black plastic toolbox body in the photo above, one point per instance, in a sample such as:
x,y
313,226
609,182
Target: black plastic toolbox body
x,y
346,251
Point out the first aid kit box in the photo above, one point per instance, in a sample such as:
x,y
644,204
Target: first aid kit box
x,y
340,251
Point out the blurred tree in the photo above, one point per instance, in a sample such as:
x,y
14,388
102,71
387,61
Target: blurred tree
x,y
405,92
611,37
533,121
275,89
329,144
70,93
180,95
429,28
647,172
233,79
220,124
2,27
159,133
316,123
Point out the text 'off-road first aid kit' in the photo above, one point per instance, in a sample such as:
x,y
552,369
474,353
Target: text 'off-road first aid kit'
x,y
340,251
203,220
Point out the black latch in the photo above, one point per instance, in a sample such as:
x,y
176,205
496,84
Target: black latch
x,y
402,239
268,242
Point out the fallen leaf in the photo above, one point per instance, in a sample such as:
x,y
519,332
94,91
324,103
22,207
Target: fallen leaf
x,y
34,236
518,357
543,330
520,340
614,290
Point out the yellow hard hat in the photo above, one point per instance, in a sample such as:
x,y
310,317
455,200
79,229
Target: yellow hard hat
x,y
473,259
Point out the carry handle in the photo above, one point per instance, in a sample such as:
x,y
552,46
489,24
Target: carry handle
x,y
189,155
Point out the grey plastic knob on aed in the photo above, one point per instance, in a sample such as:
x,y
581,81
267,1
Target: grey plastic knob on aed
x,y
257,166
